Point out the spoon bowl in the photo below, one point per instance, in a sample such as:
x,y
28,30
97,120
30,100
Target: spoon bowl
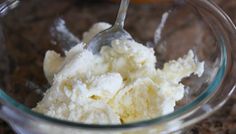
x,y
106,37
117,31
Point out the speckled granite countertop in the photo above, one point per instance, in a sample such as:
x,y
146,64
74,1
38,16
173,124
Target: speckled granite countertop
x,y
221,122
224,120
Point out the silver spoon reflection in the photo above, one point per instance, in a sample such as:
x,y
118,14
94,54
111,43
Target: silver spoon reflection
x,y
117,31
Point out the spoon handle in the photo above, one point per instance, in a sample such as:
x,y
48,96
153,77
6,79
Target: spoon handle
x,y
122,13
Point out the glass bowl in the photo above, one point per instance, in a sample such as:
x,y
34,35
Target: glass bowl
x,y
25,36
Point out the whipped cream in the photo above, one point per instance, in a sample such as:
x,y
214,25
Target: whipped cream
x,y
120,85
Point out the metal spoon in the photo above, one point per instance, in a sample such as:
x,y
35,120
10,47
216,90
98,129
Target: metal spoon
x,y
117,31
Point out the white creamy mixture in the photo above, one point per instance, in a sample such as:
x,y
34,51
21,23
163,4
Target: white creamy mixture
x,y
121,85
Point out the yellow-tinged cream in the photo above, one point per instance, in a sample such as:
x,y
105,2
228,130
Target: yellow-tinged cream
x,y
118,86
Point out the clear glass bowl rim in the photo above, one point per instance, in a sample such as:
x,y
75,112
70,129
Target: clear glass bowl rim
x,y
203,97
